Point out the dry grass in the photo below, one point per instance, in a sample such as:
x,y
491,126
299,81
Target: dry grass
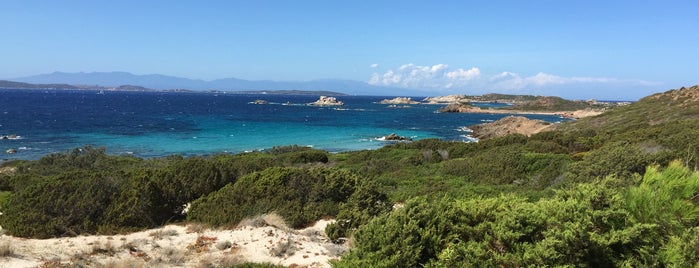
x,y
162,233
283,248
271,219
171,256
202,244
195,228
230,260
127,263
106,248
53,264
6,249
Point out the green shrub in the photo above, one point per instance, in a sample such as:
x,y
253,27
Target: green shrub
x,y
67,204
300,196
618,159
666,197
497,165
585,226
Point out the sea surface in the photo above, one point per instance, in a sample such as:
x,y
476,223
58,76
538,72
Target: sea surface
x,y
152,124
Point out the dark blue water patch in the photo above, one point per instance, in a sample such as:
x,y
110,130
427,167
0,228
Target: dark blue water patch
x,y
158,123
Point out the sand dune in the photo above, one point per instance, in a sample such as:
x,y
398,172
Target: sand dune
x,y
181,246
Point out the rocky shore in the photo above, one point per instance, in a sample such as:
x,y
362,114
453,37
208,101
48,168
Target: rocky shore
x,y
509,125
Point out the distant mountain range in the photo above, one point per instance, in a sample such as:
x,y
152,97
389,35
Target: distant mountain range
x,y
164,82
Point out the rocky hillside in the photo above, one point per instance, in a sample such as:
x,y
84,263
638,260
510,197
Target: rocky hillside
x,y
509,125
671,106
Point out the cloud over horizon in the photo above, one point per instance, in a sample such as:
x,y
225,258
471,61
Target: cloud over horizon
x,y
440,77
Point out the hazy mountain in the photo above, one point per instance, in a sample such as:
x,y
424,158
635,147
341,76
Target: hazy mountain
x,y
156,81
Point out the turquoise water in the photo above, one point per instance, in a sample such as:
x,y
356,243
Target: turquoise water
x,y
149,124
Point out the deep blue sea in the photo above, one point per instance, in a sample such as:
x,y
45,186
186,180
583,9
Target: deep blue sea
x,y
151,124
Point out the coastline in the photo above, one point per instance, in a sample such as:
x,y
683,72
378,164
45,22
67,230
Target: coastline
x,y
577,114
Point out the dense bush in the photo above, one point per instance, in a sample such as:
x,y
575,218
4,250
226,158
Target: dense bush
x,y
619,159
592,225
497,165
300,196
67,204
88,191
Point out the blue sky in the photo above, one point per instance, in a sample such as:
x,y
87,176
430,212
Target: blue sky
x,y
576,49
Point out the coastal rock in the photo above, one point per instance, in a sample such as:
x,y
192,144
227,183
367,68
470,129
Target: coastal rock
x,y
509,125
395,137
327,101
260,102
459,108
446,99
9,137
399,100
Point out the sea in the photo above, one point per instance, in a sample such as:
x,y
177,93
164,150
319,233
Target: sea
x,y
153,124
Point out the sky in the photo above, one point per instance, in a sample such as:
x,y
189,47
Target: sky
x,y
574,49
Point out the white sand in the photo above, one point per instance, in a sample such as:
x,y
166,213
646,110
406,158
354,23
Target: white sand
x,y
174,245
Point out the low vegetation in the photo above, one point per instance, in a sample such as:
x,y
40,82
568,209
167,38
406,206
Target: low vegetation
x,y
617,189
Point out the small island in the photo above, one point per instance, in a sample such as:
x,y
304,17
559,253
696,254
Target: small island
x,y
399,100
523,104
327,101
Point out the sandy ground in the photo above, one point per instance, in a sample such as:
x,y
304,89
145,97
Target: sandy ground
x,y
178,246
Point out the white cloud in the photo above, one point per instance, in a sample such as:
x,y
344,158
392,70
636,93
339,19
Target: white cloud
x,y
374,65
461,74
416,76
440,77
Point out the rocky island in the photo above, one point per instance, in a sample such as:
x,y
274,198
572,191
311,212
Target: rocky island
x,y
522,104
446,99
327,101
399,100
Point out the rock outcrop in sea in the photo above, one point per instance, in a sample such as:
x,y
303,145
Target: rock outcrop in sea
x,y
327,101
459,108
446,99
260,102
509,125
9,137
400,100
395,137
